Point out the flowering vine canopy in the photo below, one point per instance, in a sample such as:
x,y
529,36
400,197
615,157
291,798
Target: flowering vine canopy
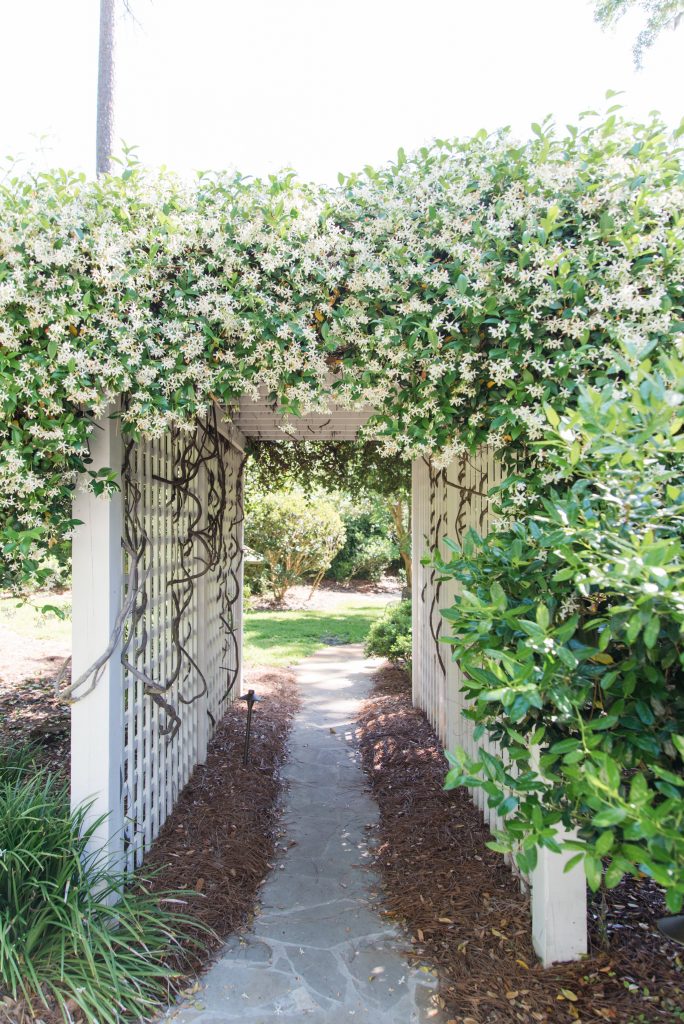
x,y
459,291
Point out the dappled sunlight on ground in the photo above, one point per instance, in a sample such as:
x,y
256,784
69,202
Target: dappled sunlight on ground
x,y
287,637
330,596
32,644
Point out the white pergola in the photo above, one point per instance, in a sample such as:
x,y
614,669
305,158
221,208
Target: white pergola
x,y
130,758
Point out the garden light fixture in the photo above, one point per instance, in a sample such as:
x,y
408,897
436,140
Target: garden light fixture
x,y
251,699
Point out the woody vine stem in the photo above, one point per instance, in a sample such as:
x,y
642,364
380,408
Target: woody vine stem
x,y
207,541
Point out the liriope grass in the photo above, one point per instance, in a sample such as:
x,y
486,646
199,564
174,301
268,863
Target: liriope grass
x,y
71,933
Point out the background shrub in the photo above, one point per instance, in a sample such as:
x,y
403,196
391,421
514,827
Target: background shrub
x,y
374,557
370,488
369,550
390,635
296,535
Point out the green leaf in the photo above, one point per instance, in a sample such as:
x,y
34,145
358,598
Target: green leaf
x,y
551,415
652,630
570,864
606,223
604,843
614,875
674,899
454,779
564,746
543,616
609,816
566,630
594,872
638,790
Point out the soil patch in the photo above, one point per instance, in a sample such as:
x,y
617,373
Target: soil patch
x,y
464,910
329,595
31,715
219,842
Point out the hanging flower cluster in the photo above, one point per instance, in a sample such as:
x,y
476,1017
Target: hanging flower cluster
x,y
457,291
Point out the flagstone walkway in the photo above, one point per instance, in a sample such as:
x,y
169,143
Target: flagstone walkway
x,y
318,951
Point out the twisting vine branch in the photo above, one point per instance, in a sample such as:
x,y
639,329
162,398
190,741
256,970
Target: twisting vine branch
x,y
204,492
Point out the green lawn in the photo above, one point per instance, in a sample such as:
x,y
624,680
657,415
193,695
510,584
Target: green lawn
x,y
284,638
29,621
271,638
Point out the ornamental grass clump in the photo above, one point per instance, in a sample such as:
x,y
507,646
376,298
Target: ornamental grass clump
x,y
569,627
71,935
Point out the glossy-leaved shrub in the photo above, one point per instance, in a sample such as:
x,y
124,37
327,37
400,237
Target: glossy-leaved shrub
x,y
569,629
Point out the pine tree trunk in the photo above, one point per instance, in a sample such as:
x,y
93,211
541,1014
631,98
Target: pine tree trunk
x,y
105,88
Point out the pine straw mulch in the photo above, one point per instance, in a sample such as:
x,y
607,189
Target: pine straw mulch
x,y
465,912
32,715
219,842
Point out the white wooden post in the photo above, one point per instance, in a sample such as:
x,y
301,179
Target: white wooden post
x,y
238,611
202,639
417,623
97,719
559,907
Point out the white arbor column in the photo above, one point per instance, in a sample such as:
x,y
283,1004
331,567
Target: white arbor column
x,y
202,639
418,624
97,738
239,609
559,907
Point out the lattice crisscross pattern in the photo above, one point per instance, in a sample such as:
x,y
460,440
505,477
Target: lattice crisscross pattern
x,y
183,638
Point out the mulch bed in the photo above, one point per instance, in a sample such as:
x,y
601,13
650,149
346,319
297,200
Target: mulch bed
x,y
31,715
464,910
219,842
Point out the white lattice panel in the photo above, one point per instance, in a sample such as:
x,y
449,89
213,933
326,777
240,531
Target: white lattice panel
x,y
446,503
222,625
185,640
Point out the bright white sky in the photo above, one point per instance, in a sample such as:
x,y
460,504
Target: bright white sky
x,y
316,85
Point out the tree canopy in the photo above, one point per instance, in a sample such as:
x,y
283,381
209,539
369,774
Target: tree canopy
x,y
354,467
660,14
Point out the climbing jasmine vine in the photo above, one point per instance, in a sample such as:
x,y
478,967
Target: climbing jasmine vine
x,y
457,291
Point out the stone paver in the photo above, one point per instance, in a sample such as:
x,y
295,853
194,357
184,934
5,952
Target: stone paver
x,y
318,952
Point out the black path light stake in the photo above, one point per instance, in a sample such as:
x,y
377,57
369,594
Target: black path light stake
x,y
251,699
672,927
